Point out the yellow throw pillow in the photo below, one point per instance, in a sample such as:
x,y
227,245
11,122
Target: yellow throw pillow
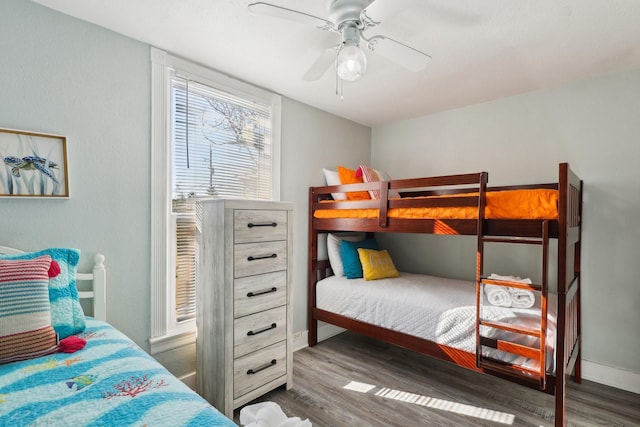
x,y
376,264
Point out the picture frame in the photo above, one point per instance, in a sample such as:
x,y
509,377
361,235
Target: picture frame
x,y
33,165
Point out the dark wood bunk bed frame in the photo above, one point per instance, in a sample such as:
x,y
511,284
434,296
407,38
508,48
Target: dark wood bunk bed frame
x,y
566,229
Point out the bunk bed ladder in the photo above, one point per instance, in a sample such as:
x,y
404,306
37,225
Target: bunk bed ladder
x,y
536,352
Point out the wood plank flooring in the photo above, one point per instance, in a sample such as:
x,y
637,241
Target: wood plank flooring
x,y
414,390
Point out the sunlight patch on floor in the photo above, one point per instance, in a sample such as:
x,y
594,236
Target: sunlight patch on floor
x,y
357,386
432,402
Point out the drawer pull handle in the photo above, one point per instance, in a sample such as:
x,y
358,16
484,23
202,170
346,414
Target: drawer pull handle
x,y
255,258
265,329
266,224
262,368
266,291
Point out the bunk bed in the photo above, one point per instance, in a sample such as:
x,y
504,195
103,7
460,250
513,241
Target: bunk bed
x,y
64,368
465,205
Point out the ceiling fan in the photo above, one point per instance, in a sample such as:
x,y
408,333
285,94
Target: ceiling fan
x,y
351,19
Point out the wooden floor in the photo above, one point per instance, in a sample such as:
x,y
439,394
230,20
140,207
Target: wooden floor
x,y
409,389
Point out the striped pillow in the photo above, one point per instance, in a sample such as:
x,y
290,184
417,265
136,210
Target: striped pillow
x,y
370,174
25,318
67,317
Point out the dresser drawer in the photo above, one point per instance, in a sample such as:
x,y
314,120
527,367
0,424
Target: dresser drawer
x,y
258,258
253,332
258,368
259,225
256,293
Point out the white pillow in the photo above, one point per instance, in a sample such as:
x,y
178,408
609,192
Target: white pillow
x,y
333,179
333,249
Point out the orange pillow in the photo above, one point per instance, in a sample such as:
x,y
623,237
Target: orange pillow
x,y
348,176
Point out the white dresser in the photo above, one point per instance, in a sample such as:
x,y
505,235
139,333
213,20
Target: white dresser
x,y
243,349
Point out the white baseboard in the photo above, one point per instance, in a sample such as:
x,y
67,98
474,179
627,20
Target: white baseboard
x,y
325,330
614,377
300,340
592,371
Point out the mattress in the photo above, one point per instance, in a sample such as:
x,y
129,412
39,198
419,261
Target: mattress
x,y
434,308
110,382
508,204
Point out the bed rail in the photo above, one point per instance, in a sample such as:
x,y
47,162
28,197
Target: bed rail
x,y
97,280
320,199
414,194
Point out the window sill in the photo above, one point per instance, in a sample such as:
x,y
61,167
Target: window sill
x,y
172,341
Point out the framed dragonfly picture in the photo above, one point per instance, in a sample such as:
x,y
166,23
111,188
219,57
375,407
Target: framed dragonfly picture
x,y
33,164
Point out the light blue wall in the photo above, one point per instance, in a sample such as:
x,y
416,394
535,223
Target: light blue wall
x,y
312,140
64,76
594,125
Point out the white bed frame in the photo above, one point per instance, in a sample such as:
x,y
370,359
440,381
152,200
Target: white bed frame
x,y
97,277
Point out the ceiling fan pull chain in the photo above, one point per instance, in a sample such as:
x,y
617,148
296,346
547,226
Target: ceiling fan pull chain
x,y
339,87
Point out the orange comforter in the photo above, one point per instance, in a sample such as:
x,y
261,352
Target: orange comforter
x,y
509,204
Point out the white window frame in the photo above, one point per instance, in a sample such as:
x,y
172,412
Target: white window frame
x,y
166,333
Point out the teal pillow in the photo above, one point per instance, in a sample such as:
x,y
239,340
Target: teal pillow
x,y
67,317
351,258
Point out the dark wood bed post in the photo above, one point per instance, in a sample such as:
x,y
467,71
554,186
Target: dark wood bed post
x,y
312,275
482,202
561,380
577,373
568,345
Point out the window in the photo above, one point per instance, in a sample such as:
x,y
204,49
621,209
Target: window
x,y
221,143
212,137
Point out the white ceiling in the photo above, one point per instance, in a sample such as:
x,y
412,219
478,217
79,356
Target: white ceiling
x,y
481,49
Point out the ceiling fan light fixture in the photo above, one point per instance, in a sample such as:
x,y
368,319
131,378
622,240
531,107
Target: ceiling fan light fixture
x,y
351,62
351,19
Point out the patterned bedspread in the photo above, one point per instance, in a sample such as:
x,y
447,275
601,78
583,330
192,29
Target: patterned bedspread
x,y
111,382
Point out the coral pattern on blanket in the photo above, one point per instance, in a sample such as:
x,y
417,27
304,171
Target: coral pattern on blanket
x,y
133,387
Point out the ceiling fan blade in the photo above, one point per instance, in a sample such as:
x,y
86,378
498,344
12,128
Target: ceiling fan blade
x,y
290,14
406,56
320,66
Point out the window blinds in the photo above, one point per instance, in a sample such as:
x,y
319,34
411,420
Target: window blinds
x,y
186,258
222,148
221,143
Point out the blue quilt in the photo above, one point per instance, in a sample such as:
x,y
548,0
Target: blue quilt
x,y
110,382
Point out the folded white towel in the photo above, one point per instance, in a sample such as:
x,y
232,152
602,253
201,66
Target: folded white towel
x,y
518,298
522,298
498,295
